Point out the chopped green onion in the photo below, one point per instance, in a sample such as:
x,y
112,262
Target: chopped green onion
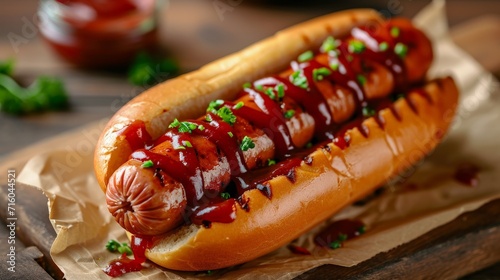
x,y
383,46
247,143
187,144
214,105
280,88
361,79
183,126
259,87
230,134
289,114
320,73
362,230
147,164
334,65
306,56
356,46
238,105
271,162
201,127
368,112
342,237
225,195
329,44
269,92
208,118
299,80
114,246
395,32
336,244
180,148
401,49
226,115
247,85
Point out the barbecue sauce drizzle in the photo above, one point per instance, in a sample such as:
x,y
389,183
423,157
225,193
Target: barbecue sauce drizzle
x,y
186,168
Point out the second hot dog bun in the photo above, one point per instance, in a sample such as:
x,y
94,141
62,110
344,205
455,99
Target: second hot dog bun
x,y
356,171
187,96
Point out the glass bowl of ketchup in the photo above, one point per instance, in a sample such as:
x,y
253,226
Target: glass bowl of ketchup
x,y
99,33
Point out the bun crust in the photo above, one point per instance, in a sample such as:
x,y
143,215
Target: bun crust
x,y
357,171
187,96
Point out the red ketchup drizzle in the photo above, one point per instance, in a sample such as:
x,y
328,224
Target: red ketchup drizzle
x,y
334,232
217,131
136,135
467,174
256,179
177,170
124,264
217,210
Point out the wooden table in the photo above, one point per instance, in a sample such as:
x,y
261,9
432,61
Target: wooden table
x,y
203,37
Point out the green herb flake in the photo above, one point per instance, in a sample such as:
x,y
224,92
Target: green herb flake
x,y
361,79
247,143
115,246
183,126
187,144
289,114
180,148
238,105
320,73
226,115
208,118
230,134
271,162
225,195
401,50
334,65
329,44
336,244
280,88
214,105
259,87
270,92
306,56
361,230
342,237
201,127
247,85
147,164
299,80
368,112
395,32
383,46
356,46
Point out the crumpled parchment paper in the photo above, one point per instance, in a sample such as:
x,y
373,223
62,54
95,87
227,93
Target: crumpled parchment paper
x,y
422,198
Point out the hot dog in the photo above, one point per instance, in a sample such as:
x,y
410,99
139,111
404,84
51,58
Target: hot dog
x,y
296,144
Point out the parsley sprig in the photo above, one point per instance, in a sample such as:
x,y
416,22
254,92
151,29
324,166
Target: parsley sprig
x,y
114,246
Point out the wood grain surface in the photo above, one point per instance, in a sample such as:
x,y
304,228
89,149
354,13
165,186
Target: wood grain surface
x,y
463,247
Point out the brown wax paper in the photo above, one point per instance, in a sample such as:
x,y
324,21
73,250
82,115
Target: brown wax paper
x,y
417,201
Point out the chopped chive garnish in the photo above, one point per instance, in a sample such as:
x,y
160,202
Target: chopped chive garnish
x,y
306,56
289,114
342,237
208,118
361,79
201,127
401,49
147,164
270,92
187,144
238,105
247,143
214,105
271,162
336,244
225,195
183,126
226,115
334,65
320,73
329,44
180,148
362,230
280,88
247,85
299,80
383,46
356,46
259,87
230,134
368,112
395,32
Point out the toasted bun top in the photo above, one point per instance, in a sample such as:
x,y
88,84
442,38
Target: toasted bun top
x,y
188,95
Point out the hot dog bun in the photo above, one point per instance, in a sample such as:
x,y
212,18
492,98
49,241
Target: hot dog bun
x,y
410,130
357,170
187,96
